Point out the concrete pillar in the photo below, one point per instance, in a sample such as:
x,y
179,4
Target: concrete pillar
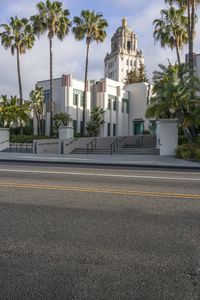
x,y
167,136
4,138
66,132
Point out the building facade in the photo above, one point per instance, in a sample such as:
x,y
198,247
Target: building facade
x,y
124,105
124,56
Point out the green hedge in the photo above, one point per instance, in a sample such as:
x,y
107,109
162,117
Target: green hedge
x,y
188,151
17,138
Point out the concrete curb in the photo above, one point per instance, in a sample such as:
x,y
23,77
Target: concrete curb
x,y
104,164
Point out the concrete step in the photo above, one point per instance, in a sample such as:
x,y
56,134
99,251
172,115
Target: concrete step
x,y
95,151
128,151
139,151
142,146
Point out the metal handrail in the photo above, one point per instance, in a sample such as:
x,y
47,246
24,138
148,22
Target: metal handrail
x,y
114,145
44,144
71,142
92,143
20,146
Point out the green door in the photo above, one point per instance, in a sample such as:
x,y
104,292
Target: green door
x,y
138,127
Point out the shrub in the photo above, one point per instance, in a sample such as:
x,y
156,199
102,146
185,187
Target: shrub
x,y
188,151
25,138
197,156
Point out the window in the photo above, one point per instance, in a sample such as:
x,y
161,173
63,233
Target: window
x,y
127,62
75,125
46,94
125,105
115,104
128,45
82,101
114,129
81,126
108,129
76,94
75,99
109,104
131,63
111,99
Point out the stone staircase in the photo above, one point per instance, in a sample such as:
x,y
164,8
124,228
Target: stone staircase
x,y
127,145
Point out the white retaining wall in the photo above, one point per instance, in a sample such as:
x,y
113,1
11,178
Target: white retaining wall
x,y
4,138
46,146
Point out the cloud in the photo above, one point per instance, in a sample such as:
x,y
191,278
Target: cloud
x,y
69,55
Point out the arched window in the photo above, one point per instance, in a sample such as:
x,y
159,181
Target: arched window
x,y
128,45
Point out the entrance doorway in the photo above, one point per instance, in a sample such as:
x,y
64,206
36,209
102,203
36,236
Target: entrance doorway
x,y
138,127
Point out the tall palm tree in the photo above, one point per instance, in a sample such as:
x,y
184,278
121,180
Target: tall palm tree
x,y
91,27
54,20
190,6
17,36
171,29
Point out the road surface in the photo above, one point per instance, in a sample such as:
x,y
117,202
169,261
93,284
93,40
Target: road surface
x,y
94,233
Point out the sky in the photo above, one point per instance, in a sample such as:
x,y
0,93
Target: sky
x,y
69,55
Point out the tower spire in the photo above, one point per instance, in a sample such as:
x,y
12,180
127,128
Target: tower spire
x,y
124,22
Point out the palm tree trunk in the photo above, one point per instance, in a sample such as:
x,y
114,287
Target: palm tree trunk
x,y
177,53
51,88
190,35
85,87
192,28
20,86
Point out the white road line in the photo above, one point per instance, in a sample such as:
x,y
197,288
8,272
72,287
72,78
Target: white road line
x,y
101,175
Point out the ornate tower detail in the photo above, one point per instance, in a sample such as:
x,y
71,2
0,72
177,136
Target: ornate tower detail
x,y
124,55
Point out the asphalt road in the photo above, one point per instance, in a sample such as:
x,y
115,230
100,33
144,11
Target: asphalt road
x,y
94,233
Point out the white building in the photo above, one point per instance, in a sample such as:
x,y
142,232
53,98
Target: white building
x,y
67,98
124,55
124,105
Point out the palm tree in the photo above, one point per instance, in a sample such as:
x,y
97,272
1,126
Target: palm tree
x,y
171,29
17,36
12,112
37,98
53,19
172,96
91,27
61,119
190,6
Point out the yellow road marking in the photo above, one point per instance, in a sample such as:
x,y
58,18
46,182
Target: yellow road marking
x,y
98,190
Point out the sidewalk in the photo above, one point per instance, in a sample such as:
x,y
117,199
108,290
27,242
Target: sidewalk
x,y
109,160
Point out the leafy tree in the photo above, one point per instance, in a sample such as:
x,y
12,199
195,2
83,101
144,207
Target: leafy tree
x,y
171,29
96,120
137,75
132,77
91,27
11,112
142,76
37,99
17,36
54,20
172,96
61,119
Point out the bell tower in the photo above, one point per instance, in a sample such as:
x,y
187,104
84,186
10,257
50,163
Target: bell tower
x,y
124,55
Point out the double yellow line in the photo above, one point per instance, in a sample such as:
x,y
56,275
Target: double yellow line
x,y
97,190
